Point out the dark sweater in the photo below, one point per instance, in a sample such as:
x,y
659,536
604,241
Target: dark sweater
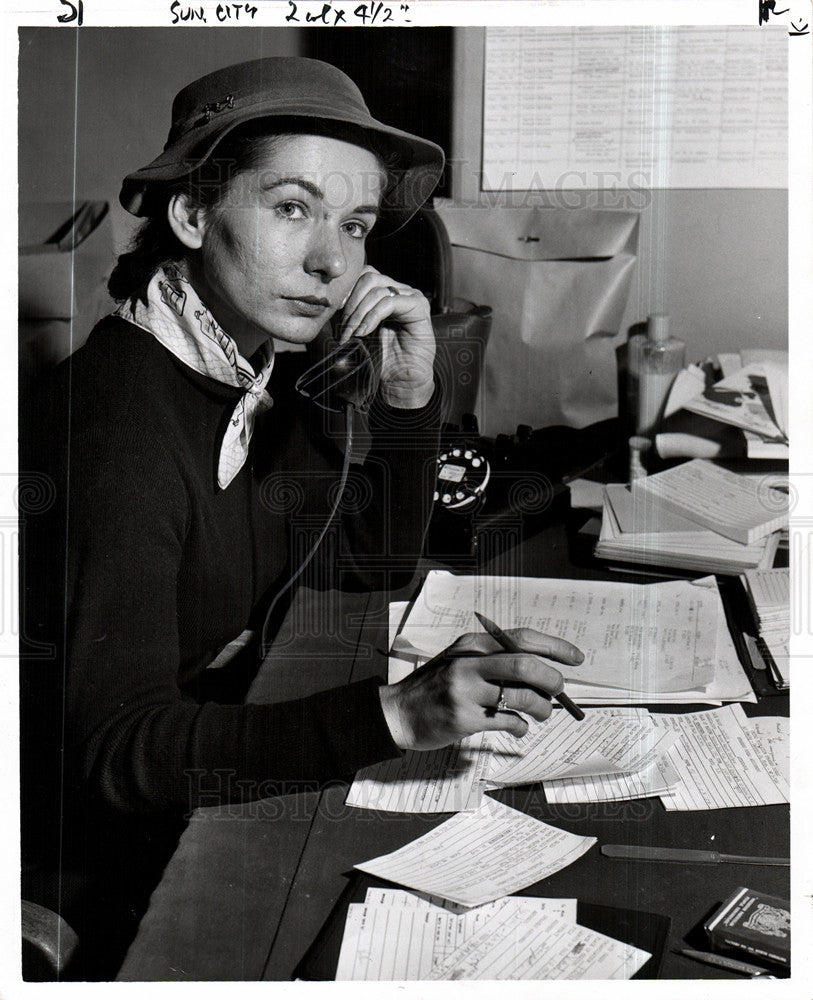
x,y
163,568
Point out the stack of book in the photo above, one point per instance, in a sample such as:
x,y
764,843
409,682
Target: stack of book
x,y
768,594
696,517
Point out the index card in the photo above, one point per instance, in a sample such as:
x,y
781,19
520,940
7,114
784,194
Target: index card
x,y
475,857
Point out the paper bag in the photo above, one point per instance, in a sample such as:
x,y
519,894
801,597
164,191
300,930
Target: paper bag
x,y
557,280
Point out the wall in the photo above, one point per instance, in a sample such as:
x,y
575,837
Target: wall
x,y
715,260
95,103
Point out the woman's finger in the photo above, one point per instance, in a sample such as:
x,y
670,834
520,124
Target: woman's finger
x,y
519,670
380,305
528,640
552,646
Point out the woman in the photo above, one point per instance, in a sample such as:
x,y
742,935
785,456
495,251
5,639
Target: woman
x,y
273,177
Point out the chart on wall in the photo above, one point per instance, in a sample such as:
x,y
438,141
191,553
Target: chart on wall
x,y
668,107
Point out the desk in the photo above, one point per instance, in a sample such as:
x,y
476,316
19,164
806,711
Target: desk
x,y
249,887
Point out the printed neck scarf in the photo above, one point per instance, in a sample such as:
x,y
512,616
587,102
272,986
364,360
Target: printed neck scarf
x,y
174,314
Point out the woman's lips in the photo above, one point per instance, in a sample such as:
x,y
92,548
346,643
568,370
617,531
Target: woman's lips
x,y
308,305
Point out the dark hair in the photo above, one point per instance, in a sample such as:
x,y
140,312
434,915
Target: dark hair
x,y
155,245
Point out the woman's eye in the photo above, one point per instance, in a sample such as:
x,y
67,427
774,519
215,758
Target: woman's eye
x,y
357,230
290,210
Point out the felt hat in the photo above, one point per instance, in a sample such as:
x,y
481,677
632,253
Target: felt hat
x,y
296,89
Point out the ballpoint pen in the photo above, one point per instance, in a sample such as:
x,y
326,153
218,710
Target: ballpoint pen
x,y
510,646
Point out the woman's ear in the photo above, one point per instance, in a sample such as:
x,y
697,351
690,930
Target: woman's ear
x,y
186,219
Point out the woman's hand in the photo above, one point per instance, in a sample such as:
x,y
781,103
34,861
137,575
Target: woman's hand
x,y
456,694
407,340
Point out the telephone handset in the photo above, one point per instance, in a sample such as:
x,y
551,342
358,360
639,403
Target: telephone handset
x,y
345,374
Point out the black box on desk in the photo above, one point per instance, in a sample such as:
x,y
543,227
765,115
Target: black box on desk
x,y
755,923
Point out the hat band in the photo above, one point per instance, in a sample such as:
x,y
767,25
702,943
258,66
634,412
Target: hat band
x,y
358,115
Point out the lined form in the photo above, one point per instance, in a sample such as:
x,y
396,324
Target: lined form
x,y
445,780
724,760
680,106
409,945
512,938
658,779
608,754
526,945
602,743
565,909
479,856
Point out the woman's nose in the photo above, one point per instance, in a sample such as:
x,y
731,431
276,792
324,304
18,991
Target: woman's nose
x,y
326,256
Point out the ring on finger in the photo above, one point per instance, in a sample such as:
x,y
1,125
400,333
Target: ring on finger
x,y
502,704
391,290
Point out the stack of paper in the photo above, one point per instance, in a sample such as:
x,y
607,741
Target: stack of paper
x,y
769,596
636,528
643,643
742,508
398,935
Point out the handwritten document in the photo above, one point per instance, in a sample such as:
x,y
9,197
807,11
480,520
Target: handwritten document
x,y
680,106
479,856
724,760
645,638
729,682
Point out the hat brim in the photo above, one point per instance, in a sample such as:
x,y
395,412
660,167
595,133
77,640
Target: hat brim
x,y
418,162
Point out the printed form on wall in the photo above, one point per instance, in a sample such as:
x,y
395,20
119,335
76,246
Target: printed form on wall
x,y
678,107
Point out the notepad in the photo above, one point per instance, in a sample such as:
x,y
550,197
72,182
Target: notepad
x,y
738,507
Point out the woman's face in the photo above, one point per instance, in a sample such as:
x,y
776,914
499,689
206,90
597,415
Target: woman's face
x,y
282,250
